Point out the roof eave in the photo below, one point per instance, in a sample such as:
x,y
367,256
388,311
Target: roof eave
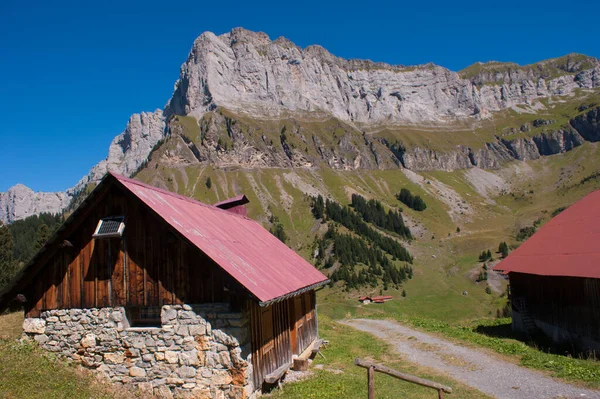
x,y
300,291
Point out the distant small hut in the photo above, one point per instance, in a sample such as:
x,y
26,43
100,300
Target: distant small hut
x,y
152,288
555,277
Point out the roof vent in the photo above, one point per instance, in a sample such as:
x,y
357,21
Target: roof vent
x,y
110,227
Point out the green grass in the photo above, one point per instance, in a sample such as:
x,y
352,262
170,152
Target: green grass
x,y
28,372
340,378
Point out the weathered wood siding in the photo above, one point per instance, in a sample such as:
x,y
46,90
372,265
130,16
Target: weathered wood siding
x,y
569,303
279,331
151,265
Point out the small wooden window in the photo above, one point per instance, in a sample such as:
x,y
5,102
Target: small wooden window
x,y
144,316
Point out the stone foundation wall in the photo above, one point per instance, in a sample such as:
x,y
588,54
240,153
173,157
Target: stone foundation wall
x,y
200,351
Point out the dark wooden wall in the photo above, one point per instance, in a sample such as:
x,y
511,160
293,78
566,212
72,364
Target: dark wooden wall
x,y
571,303
279,331
150,266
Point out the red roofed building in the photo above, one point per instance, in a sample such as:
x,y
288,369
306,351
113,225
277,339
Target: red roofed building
x,y
555,277
150,287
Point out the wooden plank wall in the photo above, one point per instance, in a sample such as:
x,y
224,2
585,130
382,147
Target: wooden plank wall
x,y
279,331
150,266
571,303
270,339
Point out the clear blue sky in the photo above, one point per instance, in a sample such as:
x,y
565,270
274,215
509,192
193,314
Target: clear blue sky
x,y
72,73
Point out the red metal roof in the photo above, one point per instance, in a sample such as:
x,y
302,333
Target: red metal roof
x,y
241,246
568,245
382,298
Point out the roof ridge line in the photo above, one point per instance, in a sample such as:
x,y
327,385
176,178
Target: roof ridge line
x,y
172,194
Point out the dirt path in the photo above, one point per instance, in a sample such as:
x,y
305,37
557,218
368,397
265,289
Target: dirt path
x,y
495,377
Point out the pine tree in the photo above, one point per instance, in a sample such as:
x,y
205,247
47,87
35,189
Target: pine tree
x,y
208,183
8,266
43,234
503,249
404,293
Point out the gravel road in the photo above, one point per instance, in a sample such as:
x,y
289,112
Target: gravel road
x,y
484,372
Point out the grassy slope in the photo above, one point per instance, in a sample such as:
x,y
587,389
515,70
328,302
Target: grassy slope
x,y
27,372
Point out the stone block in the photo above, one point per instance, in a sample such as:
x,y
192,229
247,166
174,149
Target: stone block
x,y
148,357
89,341
138,343
137,372
171,357
186,372
182,330
221,377
175,381
189,358
114,358
197,329
34,326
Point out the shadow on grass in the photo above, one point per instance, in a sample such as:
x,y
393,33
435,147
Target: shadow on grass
x,y
537,340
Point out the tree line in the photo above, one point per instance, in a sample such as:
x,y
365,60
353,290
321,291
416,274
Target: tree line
x,y
350,251
354,222
372,211
366,246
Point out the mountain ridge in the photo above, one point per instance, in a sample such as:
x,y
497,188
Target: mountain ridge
x,y
251,75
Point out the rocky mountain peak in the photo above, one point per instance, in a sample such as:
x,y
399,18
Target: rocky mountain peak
x,y
246,72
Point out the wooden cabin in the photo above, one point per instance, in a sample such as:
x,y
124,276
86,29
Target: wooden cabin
x,y
554,277
153,265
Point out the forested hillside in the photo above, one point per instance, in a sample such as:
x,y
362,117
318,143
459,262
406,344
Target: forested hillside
x,y
20,240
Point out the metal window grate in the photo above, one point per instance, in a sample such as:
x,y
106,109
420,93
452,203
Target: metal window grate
x,y
110,227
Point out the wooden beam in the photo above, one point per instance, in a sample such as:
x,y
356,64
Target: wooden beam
x,y
276,375
402,376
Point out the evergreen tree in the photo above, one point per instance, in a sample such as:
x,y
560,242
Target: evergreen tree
x,y
503,249
318,207
277,229
43,234
208,182
8,266
404,293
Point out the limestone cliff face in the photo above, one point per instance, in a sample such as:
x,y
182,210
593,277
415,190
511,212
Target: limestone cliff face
x,y
246,72
20,202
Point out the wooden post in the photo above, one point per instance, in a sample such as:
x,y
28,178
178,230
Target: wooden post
x,y
440,394
371,378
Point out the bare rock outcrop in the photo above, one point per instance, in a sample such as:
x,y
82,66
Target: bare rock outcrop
x,y
20,202
246,72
